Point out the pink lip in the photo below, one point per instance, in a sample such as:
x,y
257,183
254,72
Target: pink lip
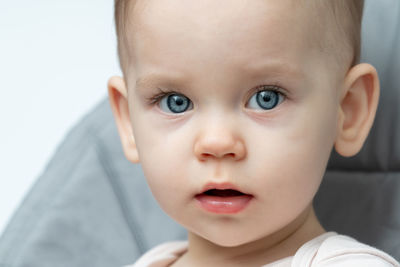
x,y
223,204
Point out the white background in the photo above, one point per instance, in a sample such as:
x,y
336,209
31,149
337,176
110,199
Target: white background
x,y
55,60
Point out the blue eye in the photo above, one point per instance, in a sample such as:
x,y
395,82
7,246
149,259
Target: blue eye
x,y
175,103
265,99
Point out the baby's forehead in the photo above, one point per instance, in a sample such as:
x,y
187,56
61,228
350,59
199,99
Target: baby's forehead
x,y
219,17
249,26
224,22
215,13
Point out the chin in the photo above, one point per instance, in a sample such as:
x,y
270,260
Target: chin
x,y
229,241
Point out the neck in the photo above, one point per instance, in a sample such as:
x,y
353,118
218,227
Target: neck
x,y
281,244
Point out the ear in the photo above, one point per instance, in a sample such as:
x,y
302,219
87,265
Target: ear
x,y
118,96
358,105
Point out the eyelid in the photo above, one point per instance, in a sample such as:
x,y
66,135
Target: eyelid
x,y
161,95
273,87
154,99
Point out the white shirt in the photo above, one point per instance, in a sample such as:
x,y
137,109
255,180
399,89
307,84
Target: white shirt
x,y
326,250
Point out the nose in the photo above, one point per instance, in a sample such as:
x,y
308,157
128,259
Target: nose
x,y
218,143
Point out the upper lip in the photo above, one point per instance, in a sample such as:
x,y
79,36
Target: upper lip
x,y
221,186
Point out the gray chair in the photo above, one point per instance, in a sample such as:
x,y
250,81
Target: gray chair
x,y
91,207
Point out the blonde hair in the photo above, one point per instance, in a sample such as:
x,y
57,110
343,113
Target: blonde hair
x,y
342,17
338,26
121,12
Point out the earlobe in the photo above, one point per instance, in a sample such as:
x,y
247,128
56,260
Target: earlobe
x,y
118,97
357,109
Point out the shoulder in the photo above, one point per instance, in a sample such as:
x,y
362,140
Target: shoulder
x,y
162,255
341,250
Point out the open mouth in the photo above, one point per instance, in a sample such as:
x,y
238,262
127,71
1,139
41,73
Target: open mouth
x,y
223,201
223,193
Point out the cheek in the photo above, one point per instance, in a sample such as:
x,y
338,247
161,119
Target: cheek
x,y
292,158
160,155
164,177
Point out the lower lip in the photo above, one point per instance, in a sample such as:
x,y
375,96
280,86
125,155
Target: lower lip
x,y
223,205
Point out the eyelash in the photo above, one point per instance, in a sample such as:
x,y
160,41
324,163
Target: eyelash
x,y
163,93
274,87
157,98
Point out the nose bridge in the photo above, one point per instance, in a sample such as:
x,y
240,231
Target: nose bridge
x,y
219,137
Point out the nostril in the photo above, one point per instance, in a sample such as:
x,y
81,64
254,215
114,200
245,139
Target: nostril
x,y
206,155
211,155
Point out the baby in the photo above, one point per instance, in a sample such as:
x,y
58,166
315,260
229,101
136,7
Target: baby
x,y
233,107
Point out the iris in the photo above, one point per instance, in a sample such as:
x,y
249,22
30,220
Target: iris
x,y
177,103
267,99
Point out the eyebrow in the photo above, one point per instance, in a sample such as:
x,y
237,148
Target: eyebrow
x,y
275,68
264,69
153,78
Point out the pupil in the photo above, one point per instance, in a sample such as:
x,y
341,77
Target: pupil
x,y
266,98
179,101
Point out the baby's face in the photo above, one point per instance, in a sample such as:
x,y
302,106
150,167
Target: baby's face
x,y
230,94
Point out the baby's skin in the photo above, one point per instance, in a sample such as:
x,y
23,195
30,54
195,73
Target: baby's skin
x,y
233,115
